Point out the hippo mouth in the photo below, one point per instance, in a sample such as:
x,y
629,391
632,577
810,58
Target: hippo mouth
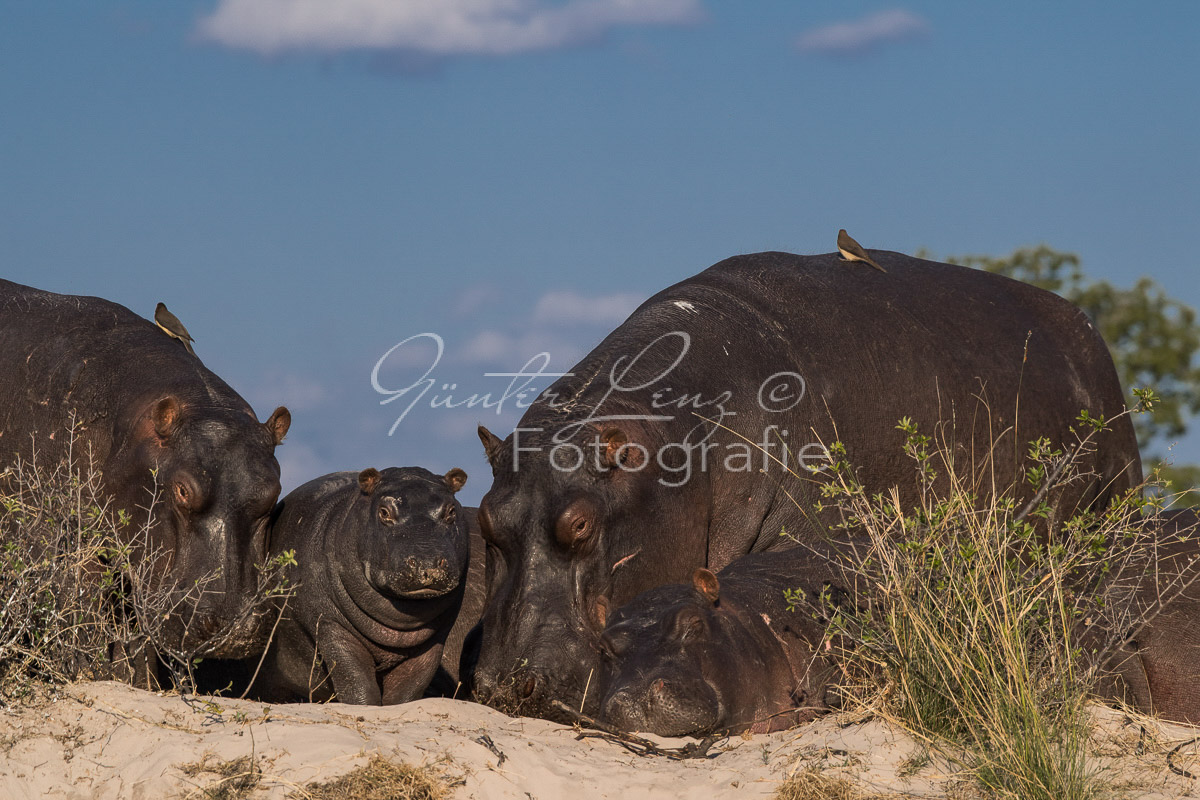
x,y
420,594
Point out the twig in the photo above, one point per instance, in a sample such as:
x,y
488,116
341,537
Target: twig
x,y
636,744
1171,755
1052,481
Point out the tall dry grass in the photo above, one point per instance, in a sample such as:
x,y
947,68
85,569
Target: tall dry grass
x,y
983,625
81,589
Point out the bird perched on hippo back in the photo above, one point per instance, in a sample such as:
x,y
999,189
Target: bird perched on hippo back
x,y
381,566
661,451
851,250
729,652
157,423
171,326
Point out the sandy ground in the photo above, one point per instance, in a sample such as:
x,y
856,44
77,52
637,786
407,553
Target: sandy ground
x,y
107,740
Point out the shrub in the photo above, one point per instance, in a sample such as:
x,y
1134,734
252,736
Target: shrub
x,y
81,595
981,626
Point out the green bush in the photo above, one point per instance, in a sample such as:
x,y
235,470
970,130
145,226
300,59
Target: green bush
x,y
982,626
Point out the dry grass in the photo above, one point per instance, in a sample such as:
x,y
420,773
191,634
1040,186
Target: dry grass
x,y
812,784
82,589
380,779
967,628
237,778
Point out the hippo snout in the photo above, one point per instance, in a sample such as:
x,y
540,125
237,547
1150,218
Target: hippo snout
x,y
664,707
426,578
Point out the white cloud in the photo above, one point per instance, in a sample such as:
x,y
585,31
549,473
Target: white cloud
x,y
437,27
499,352
571,308
474,298
864,34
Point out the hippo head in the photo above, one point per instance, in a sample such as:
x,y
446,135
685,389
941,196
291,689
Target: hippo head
x,y
217,481
681,663
566,533
413,537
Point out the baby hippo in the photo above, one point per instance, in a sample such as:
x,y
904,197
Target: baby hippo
x,y
381,566
724,654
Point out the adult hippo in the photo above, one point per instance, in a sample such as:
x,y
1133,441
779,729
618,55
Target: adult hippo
x,y
613,482
742,650
381,567
154,419
1157,662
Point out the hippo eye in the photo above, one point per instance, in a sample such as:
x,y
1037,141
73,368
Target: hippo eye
x,y
574,525
614,642
386,516
688,624
449,513
185,494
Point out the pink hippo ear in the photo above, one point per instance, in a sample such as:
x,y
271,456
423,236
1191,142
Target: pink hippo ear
x,y
707,585
166,417
491,444
278,424
455,479
368,479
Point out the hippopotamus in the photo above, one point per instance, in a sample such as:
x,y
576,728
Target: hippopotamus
x,y
741,650
699,429
155,421
381,561
1155,666
453,678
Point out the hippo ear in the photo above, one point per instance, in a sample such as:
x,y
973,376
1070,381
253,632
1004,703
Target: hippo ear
x,y
707,585
491,444
166,417
617,450
368,479
455,479
278,424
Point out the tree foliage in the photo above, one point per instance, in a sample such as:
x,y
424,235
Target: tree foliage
x,y
1152,337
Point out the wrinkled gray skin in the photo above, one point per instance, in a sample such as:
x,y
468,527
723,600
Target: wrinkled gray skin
x,y
725,653
453,678
930,341
1157,670
381,564
143,403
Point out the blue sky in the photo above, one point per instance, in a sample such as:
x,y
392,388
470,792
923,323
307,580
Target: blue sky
x,y
306,184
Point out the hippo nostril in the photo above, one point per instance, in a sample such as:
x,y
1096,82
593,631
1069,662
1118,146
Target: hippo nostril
x,y
530,687
412,562
442,564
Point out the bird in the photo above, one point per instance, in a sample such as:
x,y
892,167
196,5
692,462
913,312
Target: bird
x,y
853,251
173,327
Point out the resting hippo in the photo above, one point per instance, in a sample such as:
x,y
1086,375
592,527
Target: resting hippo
x,y
725,654
453,678
143,403
1157,668
382,558
613,483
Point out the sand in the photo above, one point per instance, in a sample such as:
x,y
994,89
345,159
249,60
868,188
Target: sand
x,y
108,740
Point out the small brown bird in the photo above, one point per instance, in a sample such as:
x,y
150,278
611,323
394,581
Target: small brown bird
x,y
173,327
853,251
